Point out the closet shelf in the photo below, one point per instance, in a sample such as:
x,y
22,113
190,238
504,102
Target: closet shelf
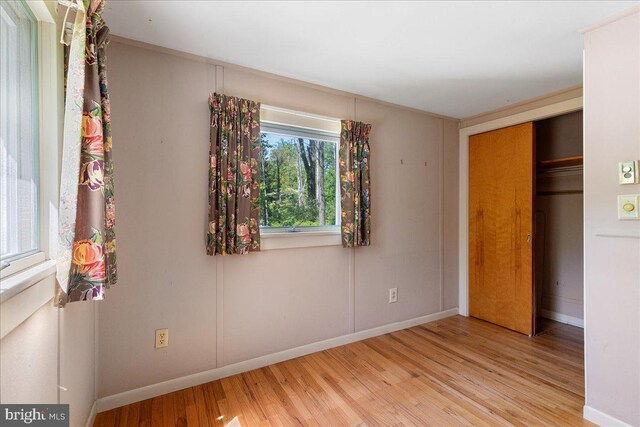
x,y
560,163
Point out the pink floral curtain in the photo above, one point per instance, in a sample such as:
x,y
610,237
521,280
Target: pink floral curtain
x,y
355,185
86,245
234,185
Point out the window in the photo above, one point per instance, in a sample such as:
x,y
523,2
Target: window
x,y
300,187
18,132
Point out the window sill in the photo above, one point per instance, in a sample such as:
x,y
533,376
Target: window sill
x,y
300,239
23,293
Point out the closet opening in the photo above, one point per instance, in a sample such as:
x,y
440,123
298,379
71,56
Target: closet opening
x,y
559,220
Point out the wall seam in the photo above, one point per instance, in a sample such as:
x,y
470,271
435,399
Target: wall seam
x,y
58,355
96,351
352,258
219,311
441,212
219,82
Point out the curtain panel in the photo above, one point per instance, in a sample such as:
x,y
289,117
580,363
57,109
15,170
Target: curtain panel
x,y
234,176
86,264
355,185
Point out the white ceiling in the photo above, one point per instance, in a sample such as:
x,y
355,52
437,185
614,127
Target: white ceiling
x,y
452,58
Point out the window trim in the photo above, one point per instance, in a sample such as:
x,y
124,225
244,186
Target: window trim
x,y
50,99
301,229
307,239
17,265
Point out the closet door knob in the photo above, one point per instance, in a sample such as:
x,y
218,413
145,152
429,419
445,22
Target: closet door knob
x,y
529,237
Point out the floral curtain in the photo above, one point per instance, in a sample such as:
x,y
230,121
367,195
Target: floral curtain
x,y
234,184
355,185
86,245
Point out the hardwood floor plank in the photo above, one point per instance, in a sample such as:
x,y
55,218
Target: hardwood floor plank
x,y
191,410
157,413
169,416
456,372
202,407
145,415
216,402
133,415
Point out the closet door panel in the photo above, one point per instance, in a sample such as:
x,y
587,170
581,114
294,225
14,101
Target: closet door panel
x,y
501,198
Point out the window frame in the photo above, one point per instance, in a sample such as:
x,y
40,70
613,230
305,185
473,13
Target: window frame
x,y
18,273
305,237
27,258
322,131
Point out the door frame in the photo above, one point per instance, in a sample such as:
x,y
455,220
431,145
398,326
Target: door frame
x,y
551,110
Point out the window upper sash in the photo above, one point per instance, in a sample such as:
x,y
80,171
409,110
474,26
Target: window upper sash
x,y
297,124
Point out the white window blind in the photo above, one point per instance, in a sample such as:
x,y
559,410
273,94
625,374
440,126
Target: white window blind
x,y
18,132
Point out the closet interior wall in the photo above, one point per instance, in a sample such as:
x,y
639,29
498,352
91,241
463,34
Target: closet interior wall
x,y
559,218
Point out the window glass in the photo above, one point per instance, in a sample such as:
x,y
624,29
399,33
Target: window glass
x,y
299,181
18,132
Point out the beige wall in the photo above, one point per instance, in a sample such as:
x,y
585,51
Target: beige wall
x,y
52,347
29,360
450,189
560,136
225,310
405,249
77,360
612,267
559,246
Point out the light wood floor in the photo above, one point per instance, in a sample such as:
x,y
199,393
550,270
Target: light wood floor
x,y
456,371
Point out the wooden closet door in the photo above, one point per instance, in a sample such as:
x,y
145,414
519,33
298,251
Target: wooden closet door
x,y
501,199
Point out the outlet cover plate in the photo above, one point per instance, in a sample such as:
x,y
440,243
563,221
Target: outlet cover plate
x,y
162,338
393,295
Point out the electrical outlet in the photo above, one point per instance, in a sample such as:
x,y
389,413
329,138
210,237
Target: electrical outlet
x,y
393,295
162,338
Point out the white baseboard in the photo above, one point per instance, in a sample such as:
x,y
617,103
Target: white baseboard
x,y
153,390
601,419
563,318
92,415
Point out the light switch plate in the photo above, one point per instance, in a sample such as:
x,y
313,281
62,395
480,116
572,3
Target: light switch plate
x,y
629,206
628,172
